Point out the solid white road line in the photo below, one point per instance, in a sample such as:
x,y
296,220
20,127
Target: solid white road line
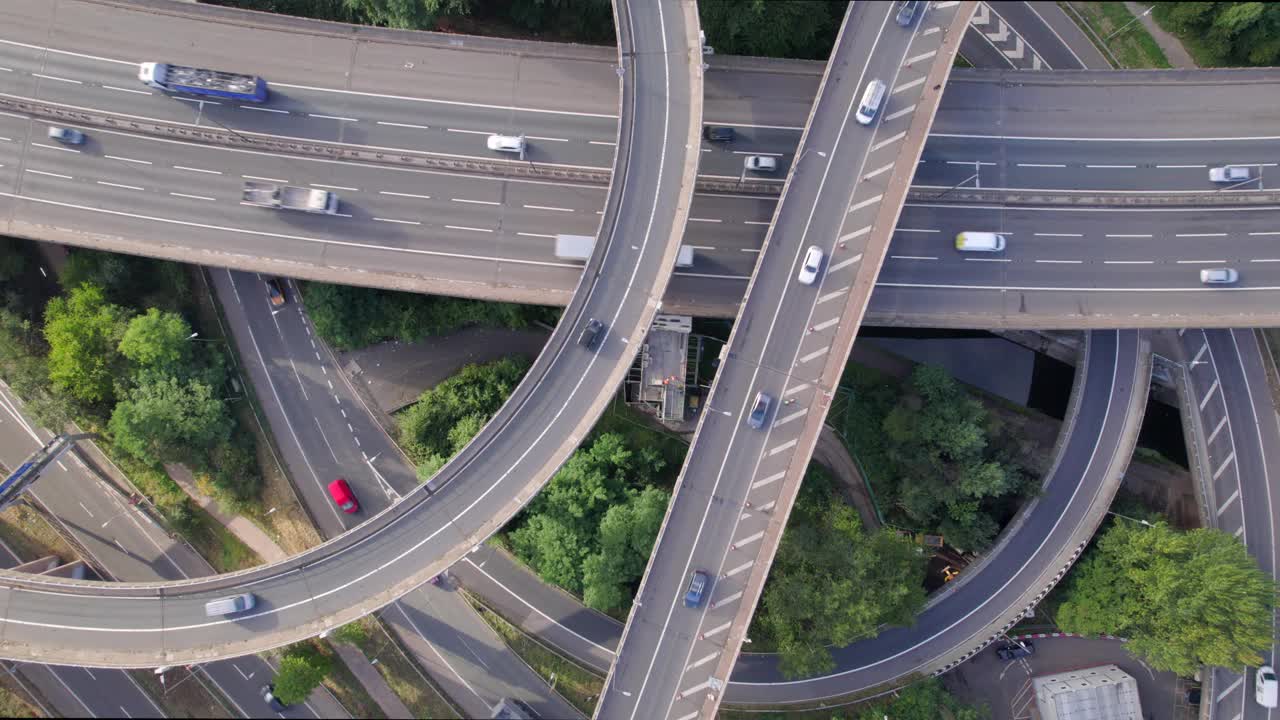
x,y
335,187
191,197
128,160
332,117
404,125
199,170
55,77
408,195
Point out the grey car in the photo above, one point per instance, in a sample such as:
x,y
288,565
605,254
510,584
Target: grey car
x,y
759,410
907,12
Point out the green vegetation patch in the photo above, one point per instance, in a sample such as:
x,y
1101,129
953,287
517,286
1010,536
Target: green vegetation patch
x,y
446,417
833,583
350,317
115,351
804,29
1224,34
402,674
1111,26
1183,599
936,458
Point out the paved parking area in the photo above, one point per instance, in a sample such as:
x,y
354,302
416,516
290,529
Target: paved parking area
x,y
1006,686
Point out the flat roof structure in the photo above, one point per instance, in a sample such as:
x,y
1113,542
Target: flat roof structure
x,y
1104,692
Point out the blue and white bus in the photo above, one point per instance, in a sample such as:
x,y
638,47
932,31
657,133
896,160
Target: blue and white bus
x,y
197,81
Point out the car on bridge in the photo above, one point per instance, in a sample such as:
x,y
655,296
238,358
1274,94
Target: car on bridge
x,y
1219,276
759,410
812,264
716,133
697,588
760,163
1231,173
66,136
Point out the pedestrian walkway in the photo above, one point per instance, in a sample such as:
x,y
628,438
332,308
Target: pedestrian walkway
x,y
1172,46
372,681
258,540
240,526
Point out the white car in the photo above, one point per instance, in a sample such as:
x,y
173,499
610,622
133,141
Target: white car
x,y
1230,173
760,163
1219,276
507,143
812,264
1264,691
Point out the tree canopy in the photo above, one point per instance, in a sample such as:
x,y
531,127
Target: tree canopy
x,y
447,416
302,668
593,526
832,583
803,29
1184,599
922,700
927,451
166,419
354,317
84,331
158,341
1226,33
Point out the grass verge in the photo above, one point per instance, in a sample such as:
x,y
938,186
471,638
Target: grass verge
x,y
181,695
344,686
580,687
1134,48
402,674
29,535
13,699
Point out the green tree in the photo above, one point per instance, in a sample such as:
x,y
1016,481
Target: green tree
x,y
406,14
833,584
1184,599
1225,33
302,667
626,538
83,331
158,341
804,29
562,525
165,419
446,417
922,700
946,477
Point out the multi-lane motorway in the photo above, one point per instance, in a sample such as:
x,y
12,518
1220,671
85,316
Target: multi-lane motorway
x,y
1013,292
486,237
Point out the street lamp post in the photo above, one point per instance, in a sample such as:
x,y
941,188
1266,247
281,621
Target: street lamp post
x,y
1131,519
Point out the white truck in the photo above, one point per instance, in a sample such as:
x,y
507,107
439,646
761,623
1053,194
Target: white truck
x,y
290,197
579,247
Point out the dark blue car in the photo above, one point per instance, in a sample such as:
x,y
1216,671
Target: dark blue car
x,y
697,588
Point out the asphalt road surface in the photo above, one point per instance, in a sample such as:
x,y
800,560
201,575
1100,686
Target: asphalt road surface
x,y
719,522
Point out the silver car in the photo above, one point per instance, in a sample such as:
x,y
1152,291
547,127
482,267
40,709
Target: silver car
x,y
761,163
1219,276
506,143
66,136
811,265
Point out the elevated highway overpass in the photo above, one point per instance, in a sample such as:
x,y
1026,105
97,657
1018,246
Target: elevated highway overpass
x,y
152,624
783,361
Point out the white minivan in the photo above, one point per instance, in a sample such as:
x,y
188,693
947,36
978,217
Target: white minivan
x,y
980,242
1264,692
872,97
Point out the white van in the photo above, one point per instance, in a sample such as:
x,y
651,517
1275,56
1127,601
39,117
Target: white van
x,y
1264,692
872,97
979,242
230,605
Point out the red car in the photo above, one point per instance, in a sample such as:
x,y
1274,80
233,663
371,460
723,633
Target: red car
x,y
341,493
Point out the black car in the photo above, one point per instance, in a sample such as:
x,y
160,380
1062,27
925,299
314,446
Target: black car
x,y
1013,651
269,696
716,133
591,333
907,12
275,292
